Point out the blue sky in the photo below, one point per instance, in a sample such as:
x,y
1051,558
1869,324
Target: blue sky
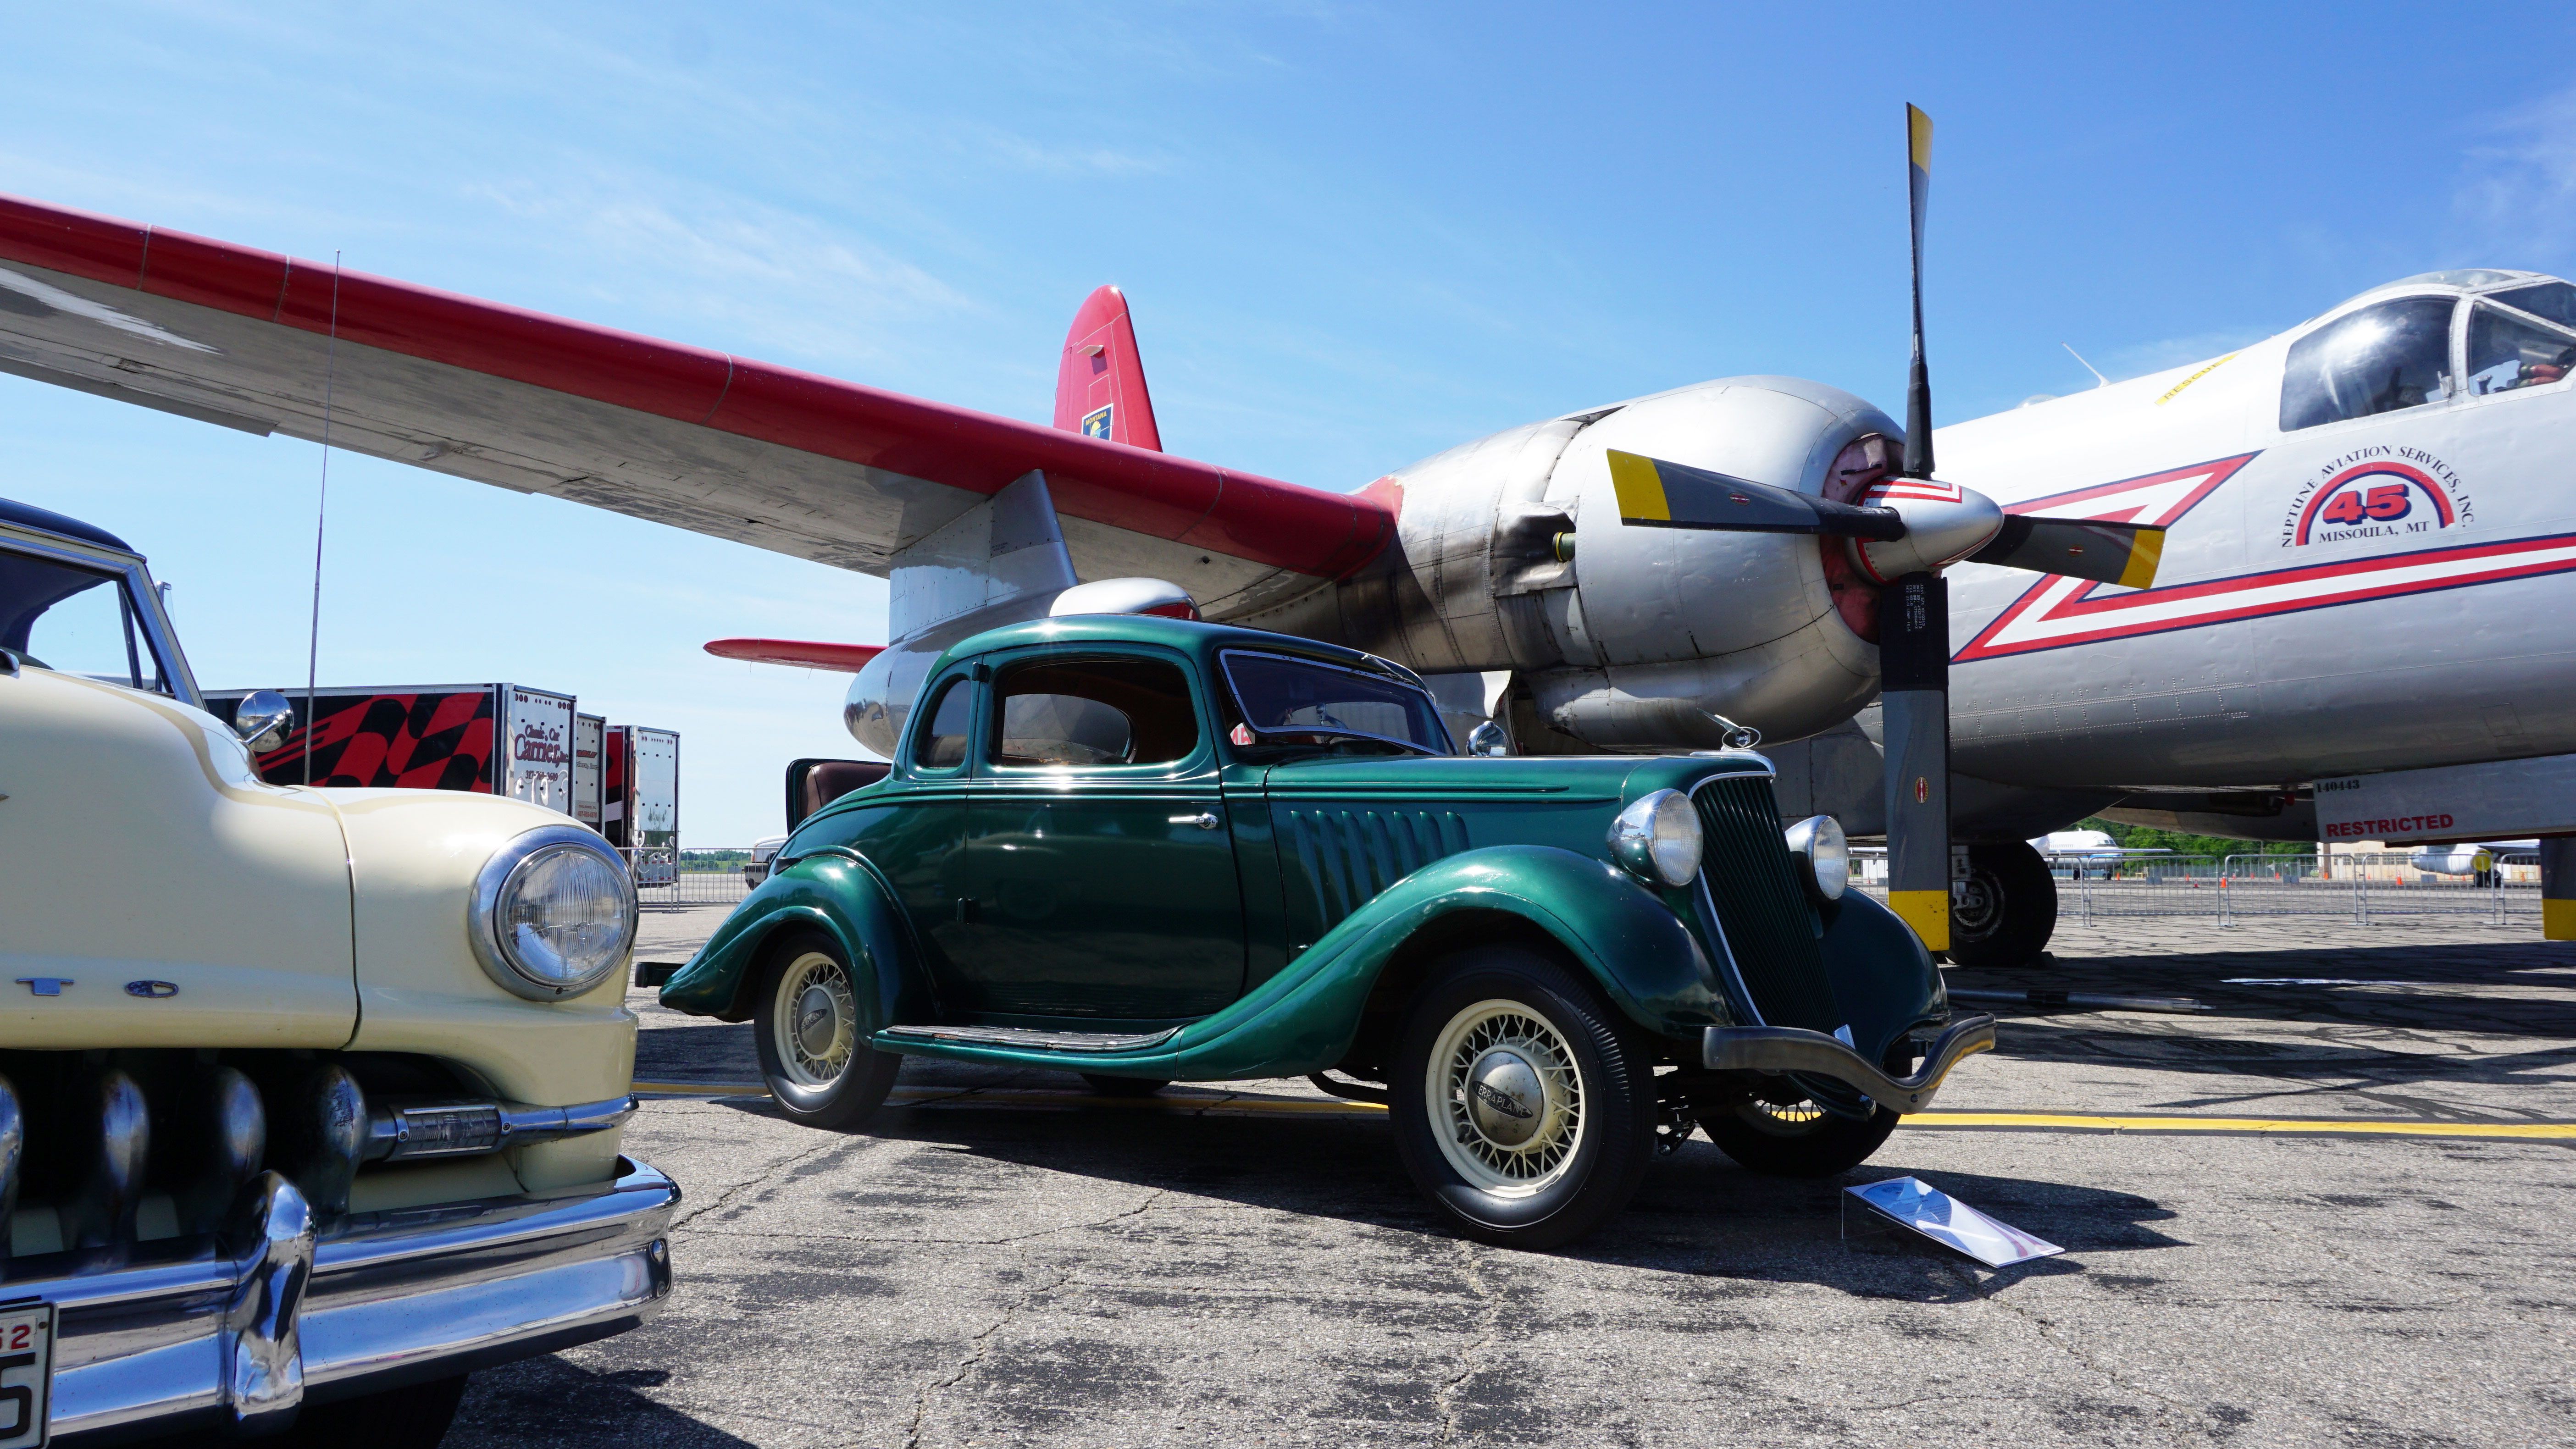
x,y
1352,236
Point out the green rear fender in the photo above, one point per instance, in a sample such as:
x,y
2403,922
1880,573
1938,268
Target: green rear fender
x,y
834,893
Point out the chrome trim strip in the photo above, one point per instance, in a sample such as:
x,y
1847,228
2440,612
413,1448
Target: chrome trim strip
x,y
1791,1049
397,1296
1029,1036
390,1126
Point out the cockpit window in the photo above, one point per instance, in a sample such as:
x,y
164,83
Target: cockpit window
x,y
75,621
2553,300
2378,360
2506,353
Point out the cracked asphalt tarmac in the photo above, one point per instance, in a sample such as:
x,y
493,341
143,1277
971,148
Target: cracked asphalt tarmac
x,y
1004,1262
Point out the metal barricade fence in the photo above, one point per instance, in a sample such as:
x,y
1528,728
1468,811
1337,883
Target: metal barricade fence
x,y
2360,889
665,877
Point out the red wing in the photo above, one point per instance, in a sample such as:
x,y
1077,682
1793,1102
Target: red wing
x,y
810,653
722,445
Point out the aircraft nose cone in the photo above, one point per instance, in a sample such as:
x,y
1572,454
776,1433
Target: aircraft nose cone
x,y
1944,523
1505,1097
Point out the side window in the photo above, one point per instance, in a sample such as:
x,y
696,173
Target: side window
x,y
2555,301
75,621
1093,712
2378,360
2506,352
941,745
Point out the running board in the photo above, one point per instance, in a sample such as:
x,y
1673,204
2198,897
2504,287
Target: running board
x,y
1789,1049
1030,1038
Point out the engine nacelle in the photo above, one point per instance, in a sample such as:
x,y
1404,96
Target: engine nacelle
x,y
1644,638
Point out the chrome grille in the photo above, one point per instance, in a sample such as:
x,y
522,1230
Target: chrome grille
x,y
1749,885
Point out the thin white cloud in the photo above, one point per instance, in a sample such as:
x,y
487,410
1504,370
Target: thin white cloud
x,y
2517,204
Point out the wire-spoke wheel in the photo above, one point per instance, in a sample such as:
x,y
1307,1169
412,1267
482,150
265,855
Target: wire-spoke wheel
x,y
813,1038
1521,1108
1503,1079
817,1021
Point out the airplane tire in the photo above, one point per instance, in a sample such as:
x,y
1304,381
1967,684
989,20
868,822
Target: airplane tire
x,y
2009,909
814,1052
1522,1109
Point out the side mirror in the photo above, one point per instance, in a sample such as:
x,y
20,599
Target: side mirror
x,y
262,720
1489,738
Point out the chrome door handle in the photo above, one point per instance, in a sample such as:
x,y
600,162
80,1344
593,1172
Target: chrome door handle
x,y
1204,820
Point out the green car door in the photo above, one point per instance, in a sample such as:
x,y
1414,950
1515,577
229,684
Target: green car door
x,y
1099,855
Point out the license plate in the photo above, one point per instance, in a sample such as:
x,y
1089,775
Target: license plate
x,y
26,1373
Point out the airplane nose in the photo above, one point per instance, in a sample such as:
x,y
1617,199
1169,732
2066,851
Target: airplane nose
x,y
1944,523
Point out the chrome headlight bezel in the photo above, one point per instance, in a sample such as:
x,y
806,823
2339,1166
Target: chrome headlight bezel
x,y
1657,837
491,888
1823,853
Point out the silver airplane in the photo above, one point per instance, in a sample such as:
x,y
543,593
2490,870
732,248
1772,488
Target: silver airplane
x,y
2313,588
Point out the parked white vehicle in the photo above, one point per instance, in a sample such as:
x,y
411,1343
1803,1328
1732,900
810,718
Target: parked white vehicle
x,y
763,852
359,1132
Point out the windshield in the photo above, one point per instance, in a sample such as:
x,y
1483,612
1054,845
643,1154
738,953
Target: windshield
x,y
1292,701
74,620
2379,359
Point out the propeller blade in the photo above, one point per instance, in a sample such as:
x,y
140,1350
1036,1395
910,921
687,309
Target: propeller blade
x,y
1918,380
1914,714
2109,553
1656,494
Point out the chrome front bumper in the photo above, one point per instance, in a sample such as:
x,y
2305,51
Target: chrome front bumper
x,y
211,1332
1790,1049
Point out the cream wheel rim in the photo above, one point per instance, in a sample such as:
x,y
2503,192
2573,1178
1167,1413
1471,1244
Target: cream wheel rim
x,y
816,1023
1506,1098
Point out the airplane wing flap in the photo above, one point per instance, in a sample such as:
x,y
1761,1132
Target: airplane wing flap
x,y
749,451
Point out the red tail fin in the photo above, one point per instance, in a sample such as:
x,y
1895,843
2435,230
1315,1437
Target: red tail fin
x,y
1100,383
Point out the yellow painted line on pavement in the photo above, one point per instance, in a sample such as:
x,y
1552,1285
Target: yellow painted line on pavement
x,y
2024,1121
2303,1126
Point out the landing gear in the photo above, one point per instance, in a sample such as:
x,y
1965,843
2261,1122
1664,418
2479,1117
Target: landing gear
x,y
2007,910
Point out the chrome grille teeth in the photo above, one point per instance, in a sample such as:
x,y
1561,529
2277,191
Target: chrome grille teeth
x,y
111,1135
322,1135
13,1160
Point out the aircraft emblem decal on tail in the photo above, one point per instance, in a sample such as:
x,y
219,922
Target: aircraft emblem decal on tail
x,y
2058,612
1095,423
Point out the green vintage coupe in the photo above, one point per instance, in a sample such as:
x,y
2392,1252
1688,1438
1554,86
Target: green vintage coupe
x,y
1151,850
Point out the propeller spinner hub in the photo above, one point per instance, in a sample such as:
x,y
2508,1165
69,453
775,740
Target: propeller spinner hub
x,y
1944,523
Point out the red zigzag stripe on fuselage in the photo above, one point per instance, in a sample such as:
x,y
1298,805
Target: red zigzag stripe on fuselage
x,y
2058,613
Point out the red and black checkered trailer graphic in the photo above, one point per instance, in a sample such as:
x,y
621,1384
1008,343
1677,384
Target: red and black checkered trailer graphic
x,y
433,737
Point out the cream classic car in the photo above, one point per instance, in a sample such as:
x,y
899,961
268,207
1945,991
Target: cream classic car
x,y
312,1097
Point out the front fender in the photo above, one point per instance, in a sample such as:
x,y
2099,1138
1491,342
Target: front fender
x,y
1883,979
835,892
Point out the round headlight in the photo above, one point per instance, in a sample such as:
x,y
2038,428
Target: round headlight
x,y
553,913
1824,855
1657,837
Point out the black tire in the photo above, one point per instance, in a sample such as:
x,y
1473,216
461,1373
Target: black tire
x,y
2009,909
1774,1128
839,1100
1125,1086
1541,1030
415,1416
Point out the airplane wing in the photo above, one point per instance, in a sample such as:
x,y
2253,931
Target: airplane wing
x,y
722,445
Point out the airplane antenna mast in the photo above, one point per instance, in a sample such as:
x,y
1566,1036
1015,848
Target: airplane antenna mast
x,y
321,511
2099,381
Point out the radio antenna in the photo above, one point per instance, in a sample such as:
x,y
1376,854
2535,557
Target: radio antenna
x,y
2099,381
321,512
